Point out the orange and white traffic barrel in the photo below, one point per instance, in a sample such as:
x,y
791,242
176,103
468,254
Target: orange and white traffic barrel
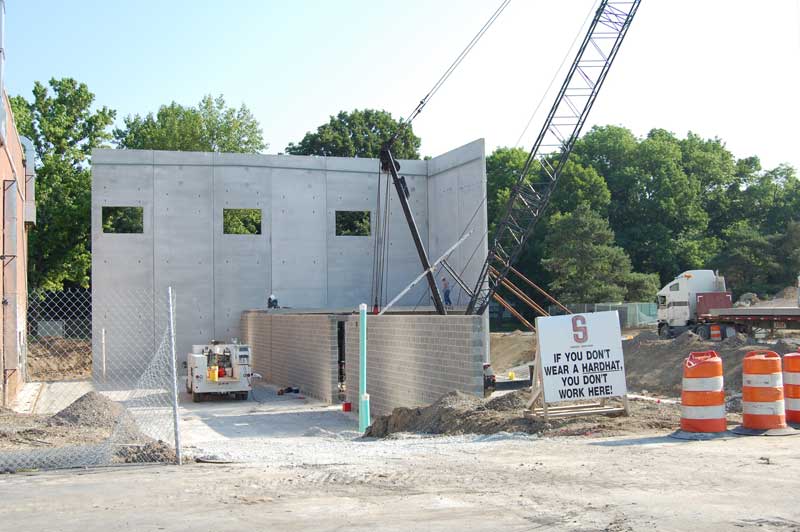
x,y
791,386
763,406
703,395
716,333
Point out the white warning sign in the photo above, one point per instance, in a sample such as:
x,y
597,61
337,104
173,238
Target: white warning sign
x,y
580,356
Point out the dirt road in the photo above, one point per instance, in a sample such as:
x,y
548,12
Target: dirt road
x,y
327,482
633,484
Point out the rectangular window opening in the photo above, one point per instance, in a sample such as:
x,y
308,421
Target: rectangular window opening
x,y
241,221
353,223
123,220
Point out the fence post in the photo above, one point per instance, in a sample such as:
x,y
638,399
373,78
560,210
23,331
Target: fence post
x,y
174,368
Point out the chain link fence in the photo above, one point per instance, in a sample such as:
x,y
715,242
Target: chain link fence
x,y
631,315
99,387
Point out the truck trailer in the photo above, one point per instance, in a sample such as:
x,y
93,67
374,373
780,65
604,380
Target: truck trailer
x,y
699,301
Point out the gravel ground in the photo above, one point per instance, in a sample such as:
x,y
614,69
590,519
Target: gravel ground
x,y
324,479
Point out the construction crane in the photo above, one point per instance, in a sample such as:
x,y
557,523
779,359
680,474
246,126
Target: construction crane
x,y
534,185
537,180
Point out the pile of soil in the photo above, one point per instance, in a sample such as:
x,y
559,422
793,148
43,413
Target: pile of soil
x,y
508,350
92,419
52,358
785,298
656,366
92,410
458,413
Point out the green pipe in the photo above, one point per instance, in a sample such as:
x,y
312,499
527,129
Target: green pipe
x,y
363,403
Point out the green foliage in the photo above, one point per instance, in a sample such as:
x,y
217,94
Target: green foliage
x,y
585,264
672,205
241,221
211,126
578,184
360,133
641,287
748,258
123,219
352,223
64,130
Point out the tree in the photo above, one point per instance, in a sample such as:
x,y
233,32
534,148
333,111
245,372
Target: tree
x,y
749,259
578,184
64,130
658,213
360,133
211,126
585,264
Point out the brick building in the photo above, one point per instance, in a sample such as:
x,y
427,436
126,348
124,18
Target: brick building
x,y
18,214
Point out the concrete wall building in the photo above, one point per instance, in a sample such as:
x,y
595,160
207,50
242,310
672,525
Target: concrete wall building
x,y
182,199
18,214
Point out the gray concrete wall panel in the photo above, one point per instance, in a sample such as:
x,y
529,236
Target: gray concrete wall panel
x,y
457,191
242,263
183,249
122,269
350,257
298,256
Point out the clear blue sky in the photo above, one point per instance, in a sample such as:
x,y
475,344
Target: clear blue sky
x,y
726,68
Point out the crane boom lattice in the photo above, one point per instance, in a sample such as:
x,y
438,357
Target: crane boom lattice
x,y
537,180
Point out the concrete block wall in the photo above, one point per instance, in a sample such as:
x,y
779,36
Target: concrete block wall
x,y
413,360
294,350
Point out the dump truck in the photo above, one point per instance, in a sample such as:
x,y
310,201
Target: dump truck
x,y
699,301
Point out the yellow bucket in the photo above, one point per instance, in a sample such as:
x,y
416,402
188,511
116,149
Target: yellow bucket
x,y
213,373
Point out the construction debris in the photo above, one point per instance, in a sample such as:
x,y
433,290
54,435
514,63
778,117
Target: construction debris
x,y
459,413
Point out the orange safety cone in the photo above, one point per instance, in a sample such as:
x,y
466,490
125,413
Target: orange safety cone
x,y
703,395
763,407
791,386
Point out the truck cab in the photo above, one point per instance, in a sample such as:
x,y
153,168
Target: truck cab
x,y
678,300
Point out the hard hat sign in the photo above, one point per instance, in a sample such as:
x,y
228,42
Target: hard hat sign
x,y
580,356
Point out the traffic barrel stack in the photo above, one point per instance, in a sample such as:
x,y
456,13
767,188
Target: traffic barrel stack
x,y
763,407
703,395
791,386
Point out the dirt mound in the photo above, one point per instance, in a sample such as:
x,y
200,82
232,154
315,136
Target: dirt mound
x,y
455,413
790,292
91,409
508,350
91,420
734,342
656,365
52,359
687,339
516,400
152,451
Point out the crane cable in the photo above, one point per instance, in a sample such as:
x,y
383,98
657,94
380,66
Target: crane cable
x,y
379,264
453,66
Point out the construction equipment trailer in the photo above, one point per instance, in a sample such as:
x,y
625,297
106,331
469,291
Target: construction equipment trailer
x,y
219,369
699,301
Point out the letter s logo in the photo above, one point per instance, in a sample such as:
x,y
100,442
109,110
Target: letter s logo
x,y
579,330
